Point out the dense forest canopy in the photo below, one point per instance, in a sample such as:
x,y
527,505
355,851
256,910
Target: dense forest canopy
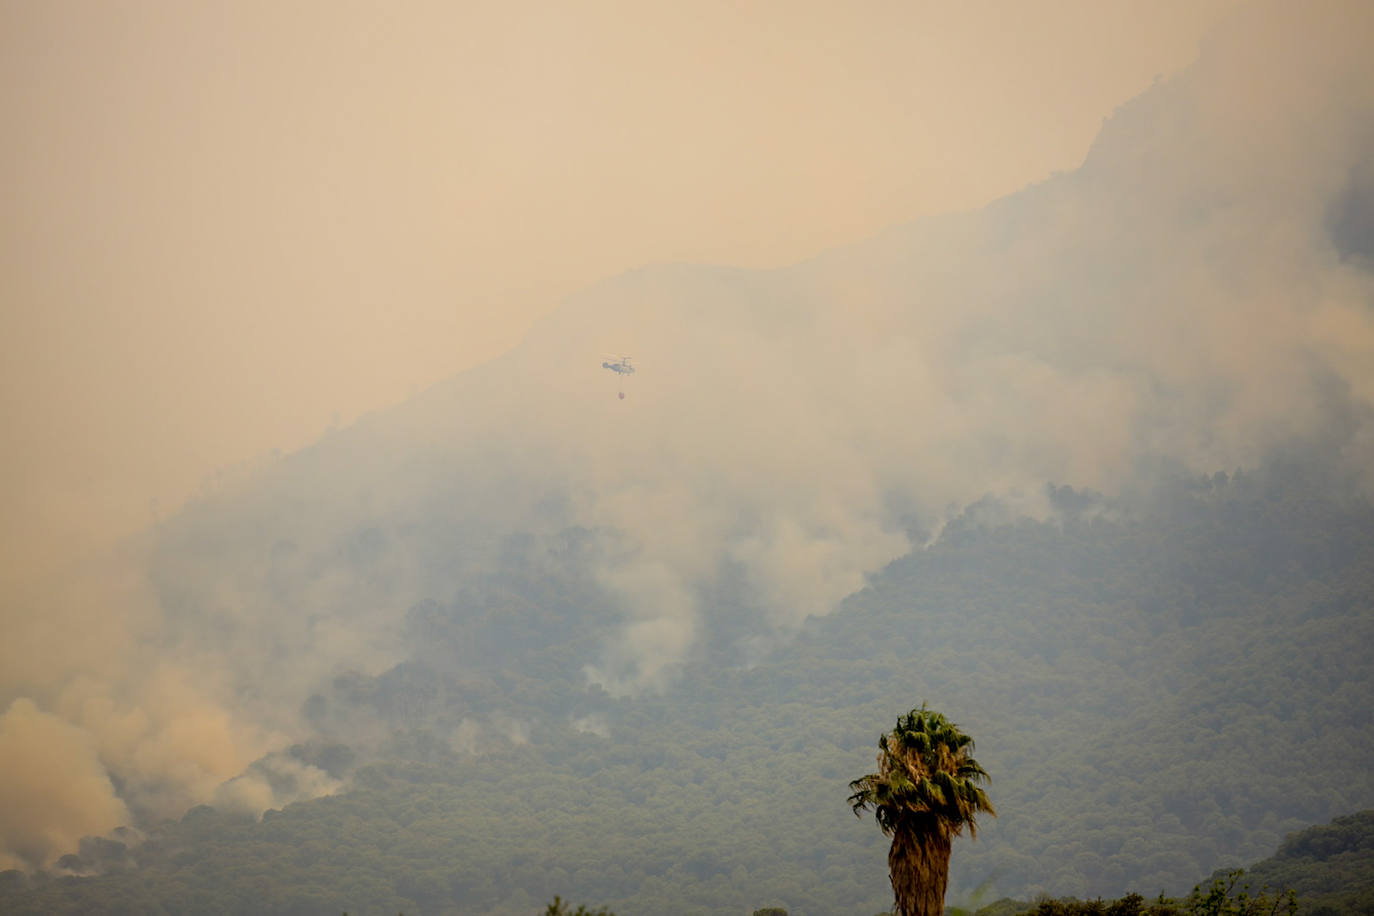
x,y
1142,682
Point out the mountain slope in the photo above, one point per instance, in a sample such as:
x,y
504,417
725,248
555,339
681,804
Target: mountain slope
x,y
1137,735
833,491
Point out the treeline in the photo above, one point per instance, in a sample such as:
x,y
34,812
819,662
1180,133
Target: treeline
x,y
1227,895
1330,867
1325,870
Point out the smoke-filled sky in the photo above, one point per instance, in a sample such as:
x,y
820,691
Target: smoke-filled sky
x,y
227,226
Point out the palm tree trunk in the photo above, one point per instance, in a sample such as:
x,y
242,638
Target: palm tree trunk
x,y
919,868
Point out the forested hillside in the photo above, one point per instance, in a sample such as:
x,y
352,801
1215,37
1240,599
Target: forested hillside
x,y
1140,683
1089,470
1325,870
1330,866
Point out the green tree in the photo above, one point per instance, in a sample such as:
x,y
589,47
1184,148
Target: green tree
x,y
926,791
559,908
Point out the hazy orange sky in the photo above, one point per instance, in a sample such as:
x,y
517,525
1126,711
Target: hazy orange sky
x,y
226,226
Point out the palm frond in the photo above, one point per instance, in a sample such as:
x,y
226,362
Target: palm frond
x,y
926,772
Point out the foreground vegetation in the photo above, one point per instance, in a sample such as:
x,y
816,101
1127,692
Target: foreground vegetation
x,y
926,792
1330,867
1325,870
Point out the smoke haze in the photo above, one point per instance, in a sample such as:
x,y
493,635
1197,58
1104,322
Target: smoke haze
x,y
1197,294
227,227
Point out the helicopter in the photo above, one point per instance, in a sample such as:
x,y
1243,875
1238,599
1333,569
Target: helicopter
x,y
620,365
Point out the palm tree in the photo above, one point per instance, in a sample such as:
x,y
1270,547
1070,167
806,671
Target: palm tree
x,y
926,791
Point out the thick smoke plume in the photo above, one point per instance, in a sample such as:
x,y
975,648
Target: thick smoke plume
x,y
1199,294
